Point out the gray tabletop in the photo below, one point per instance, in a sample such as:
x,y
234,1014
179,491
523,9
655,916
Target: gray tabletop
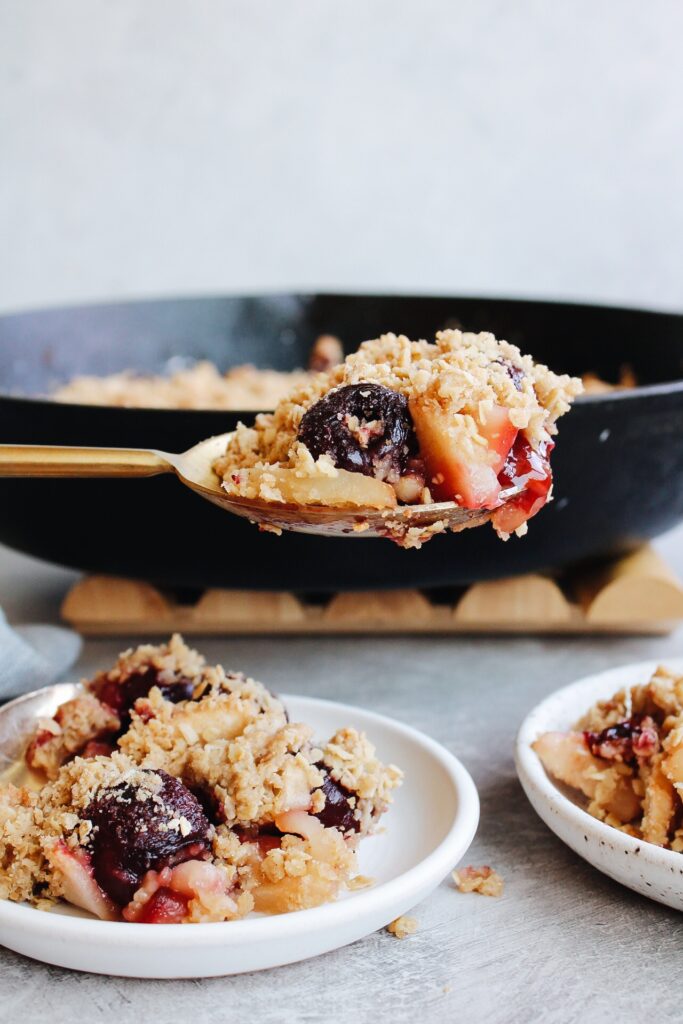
x,y
563,944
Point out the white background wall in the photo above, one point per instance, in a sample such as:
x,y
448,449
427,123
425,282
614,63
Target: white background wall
x,y
165,146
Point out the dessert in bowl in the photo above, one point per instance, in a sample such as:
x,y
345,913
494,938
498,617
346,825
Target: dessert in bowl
x,y
598,762
624,759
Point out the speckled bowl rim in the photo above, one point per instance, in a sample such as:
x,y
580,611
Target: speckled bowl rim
x,y
553,713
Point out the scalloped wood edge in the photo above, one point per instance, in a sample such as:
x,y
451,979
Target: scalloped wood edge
x,y
638,588
248,606
636,594
521,599
377,607
109,599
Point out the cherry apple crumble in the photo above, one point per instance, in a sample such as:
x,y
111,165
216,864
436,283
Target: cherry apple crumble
x,y
625,756
201,386
176,792
403,422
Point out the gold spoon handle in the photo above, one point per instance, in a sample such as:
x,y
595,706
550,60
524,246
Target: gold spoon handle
x,y
54,461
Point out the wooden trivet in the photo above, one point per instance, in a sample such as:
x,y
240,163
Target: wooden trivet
x,y
637,594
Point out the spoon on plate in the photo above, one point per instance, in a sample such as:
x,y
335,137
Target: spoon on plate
x,y
194,469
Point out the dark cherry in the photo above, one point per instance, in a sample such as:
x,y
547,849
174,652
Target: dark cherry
x,y
626,741
337,812
131,837
378,445
266,837
209,803
102,747
516,375
121,696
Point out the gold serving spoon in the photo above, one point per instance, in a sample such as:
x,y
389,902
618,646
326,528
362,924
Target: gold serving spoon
x,y
194,469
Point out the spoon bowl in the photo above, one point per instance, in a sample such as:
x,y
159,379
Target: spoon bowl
x,y
194,468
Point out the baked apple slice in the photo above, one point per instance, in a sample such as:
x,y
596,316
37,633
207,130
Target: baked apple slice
x,y
471,479
73,872
567,757
287,486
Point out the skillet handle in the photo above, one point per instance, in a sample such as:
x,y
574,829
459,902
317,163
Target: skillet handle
x,y
55,461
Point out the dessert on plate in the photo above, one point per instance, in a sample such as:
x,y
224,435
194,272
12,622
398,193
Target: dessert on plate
x,y
171,791
625,757
407,423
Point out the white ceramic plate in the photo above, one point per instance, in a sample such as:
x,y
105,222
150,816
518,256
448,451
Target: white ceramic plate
x,y
643,867
427,830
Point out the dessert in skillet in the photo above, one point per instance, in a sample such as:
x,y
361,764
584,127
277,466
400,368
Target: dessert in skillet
x,y
626,757
594,384
400,422
176,792
201,386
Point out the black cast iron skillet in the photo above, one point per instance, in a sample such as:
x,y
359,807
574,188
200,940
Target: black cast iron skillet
x,y
618,463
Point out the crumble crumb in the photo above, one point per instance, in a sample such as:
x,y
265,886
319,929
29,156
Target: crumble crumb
x,y
403,926
270,528
360,882
483,880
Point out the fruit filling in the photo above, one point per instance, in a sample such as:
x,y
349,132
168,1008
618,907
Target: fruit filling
x,y
121,695
338,811
626,741
462,419
625,759
203,803
527,470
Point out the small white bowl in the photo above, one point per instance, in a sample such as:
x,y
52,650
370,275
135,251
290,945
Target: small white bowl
x,y
641,866
427,830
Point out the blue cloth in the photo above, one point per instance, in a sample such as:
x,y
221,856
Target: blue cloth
x,y
34,656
